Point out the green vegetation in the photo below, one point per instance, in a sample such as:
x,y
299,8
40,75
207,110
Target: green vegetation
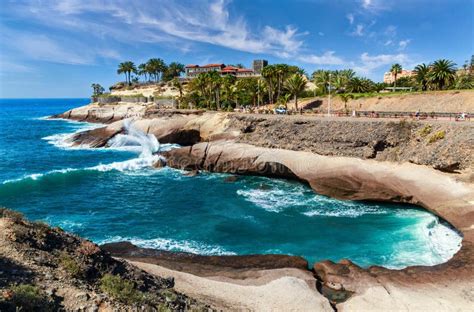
x,y
426,130
70,265
439,135
25,297
127,68
211,90
295,85
345,97
121,289
395,70
154,69
97,89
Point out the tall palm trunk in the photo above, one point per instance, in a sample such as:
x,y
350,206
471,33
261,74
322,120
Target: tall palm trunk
x,y
296,102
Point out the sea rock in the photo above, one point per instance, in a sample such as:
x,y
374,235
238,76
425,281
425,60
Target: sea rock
x,y
231,178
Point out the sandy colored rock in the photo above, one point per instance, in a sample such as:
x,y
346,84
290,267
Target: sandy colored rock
x,y
347,285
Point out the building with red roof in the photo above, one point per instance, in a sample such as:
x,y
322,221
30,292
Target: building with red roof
x,y
193,70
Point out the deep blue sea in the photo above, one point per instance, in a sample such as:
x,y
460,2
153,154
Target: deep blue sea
x,y
111,195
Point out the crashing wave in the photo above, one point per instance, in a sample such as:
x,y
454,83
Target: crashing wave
x,y
171,245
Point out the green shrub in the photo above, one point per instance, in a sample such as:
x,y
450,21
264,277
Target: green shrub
x,y
426,130
29,298
131,96
70,265
437,136
121,289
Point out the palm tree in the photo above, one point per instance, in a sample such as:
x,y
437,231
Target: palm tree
x,y
322,79
395,70
464,81
142,70
97,89
269,74
174,69
358,85
214,85
261,89
422,75
127,68
281,70
155,67
227,89
345,97
442,73
295,84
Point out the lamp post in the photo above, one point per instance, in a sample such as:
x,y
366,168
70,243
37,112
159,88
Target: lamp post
x,y
329,96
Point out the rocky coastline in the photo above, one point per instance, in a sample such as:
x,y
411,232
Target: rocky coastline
x,y
395,161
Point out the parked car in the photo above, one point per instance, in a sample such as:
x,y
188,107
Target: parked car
x,y
281,110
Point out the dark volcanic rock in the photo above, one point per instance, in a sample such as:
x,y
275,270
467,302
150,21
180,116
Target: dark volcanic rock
x,y
204,265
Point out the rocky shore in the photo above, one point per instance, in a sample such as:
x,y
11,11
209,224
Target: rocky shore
x,y
46,269
446,146
363,159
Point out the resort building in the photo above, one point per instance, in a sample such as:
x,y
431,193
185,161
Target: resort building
x,y
194,70
389,77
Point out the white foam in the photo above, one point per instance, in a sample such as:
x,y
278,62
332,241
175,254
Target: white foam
x,y
128,165
37,176
438,241
283,195
64,140
171,245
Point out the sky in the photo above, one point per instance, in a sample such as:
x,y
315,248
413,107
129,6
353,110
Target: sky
x,y
59,48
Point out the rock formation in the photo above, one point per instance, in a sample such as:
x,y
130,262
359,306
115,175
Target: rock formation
x,y
346,159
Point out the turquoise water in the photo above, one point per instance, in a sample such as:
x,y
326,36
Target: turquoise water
x,y
112,195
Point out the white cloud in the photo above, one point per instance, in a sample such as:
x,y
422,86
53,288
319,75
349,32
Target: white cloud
x,y
359,30
367,63
366,4
374,6
41,47
350,18
388,42
160,21
328,58
13,67
403,44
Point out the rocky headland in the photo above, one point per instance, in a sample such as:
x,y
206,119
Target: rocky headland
x,y
428,163
46,269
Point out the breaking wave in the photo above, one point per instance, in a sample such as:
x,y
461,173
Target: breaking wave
x,y
171,245
278,196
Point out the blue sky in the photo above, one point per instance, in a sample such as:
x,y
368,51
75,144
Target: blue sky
x,y
58,48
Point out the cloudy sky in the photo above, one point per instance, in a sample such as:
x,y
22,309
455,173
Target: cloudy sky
x,y
58,48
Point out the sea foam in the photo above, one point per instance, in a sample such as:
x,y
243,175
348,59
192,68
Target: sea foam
x,y
171,245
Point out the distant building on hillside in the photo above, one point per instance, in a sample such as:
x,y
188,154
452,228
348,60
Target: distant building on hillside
x,y
193,70
258,66
389,77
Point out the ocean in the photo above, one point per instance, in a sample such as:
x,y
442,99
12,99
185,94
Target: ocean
x,y
113,194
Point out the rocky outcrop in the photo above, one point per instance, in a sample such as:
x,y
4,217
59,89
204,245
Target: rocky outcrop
x,y
348,286
385,140
102,113
230,266
361,159
446,146
46,269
